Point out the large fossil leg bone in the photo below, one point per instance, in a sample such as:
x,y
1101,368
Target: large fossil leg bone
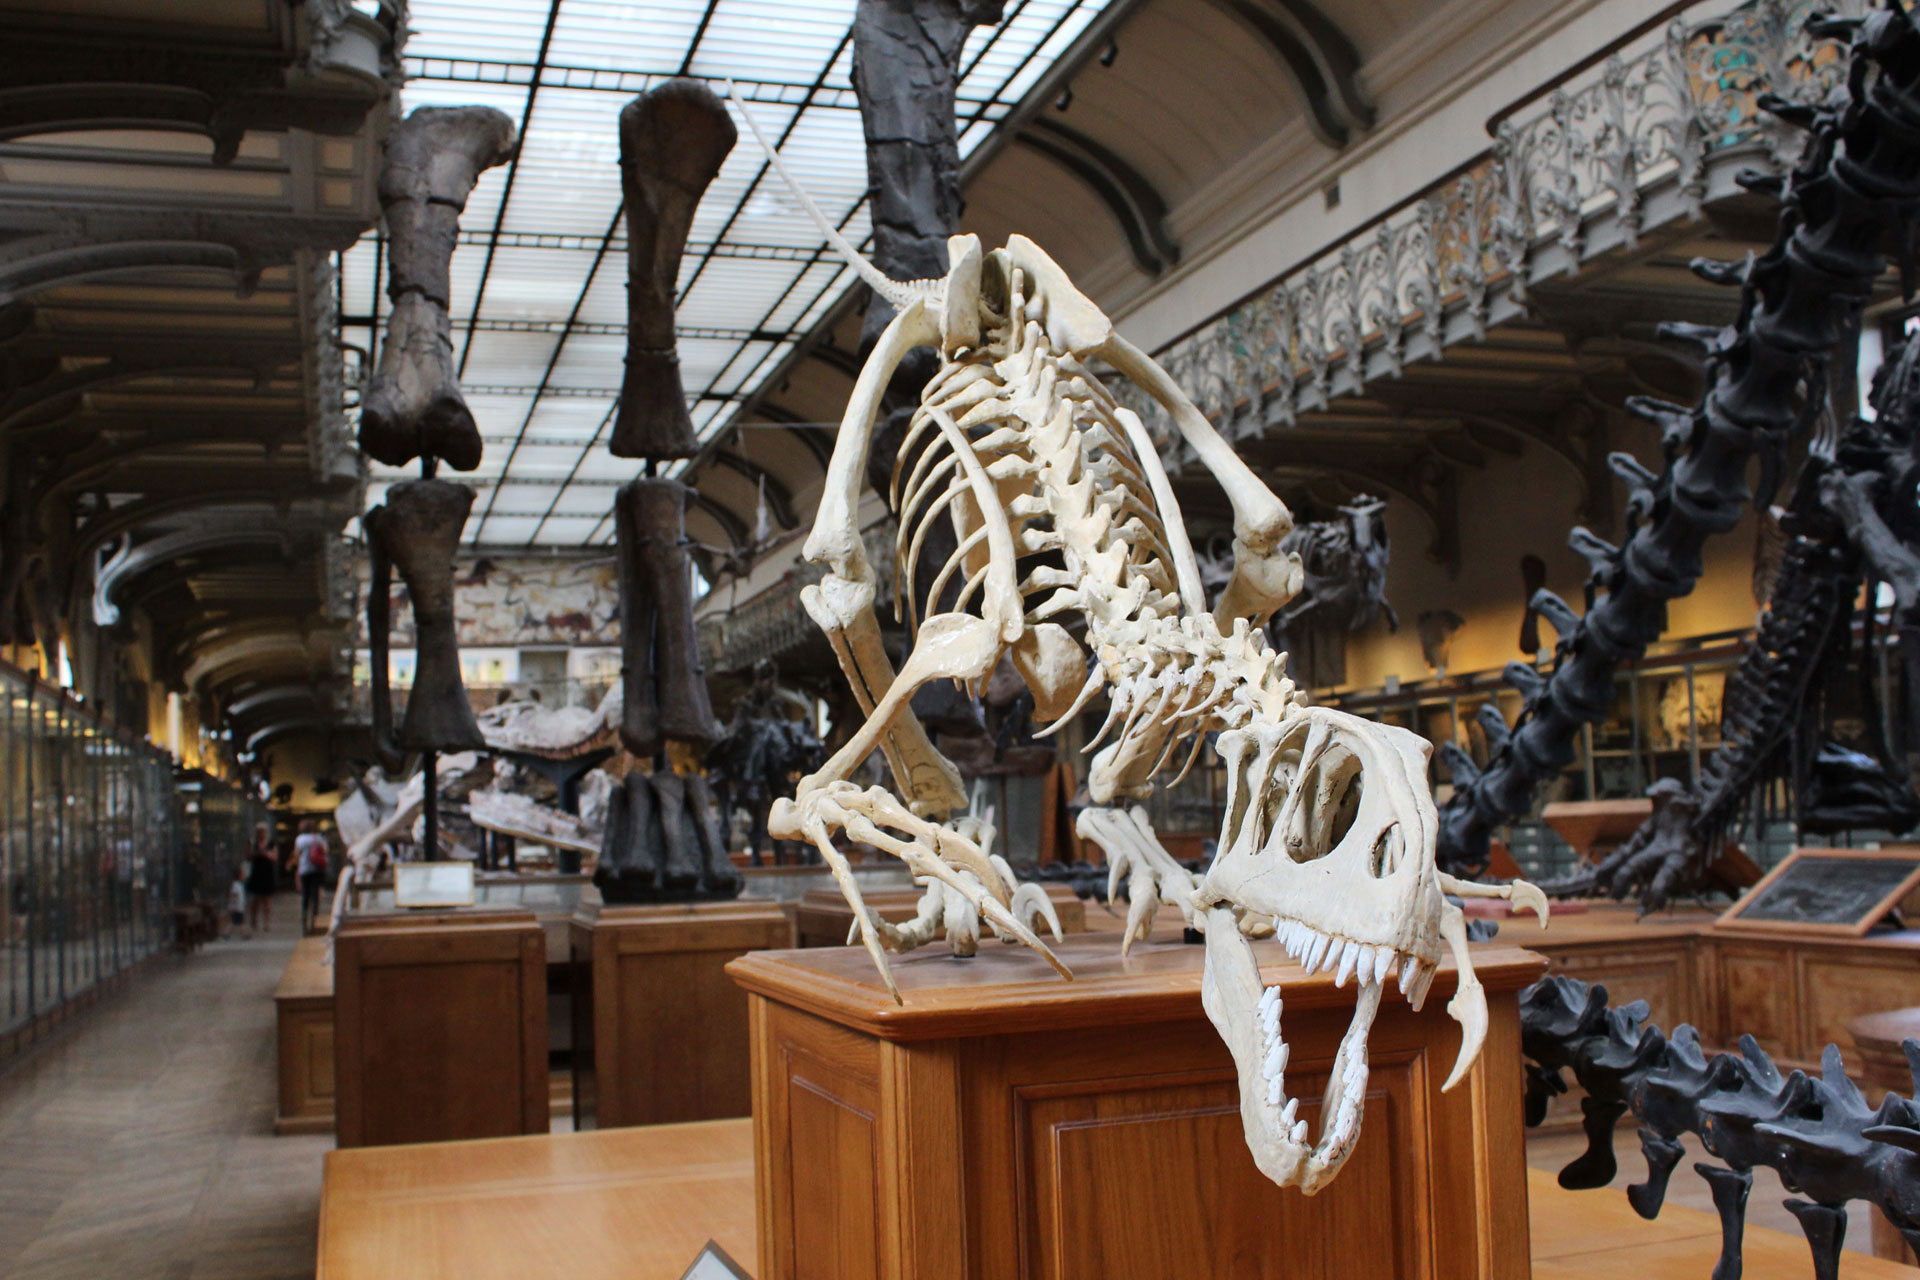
x,y
414,408
673,140
664,685
417,530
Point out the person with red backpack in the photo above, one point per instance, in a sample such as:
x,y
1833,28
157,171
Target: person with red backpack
x,y
310,866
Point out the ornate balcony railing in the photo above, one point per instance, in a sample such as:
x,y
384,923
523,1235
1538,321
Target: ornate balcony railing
x,y
1649,134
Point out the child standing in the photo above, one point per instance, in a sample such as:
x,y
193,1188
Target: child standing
x,y
237,902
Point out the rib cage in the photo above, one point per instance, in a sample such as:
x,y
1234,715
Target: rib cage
x,y
1082,516
1033,417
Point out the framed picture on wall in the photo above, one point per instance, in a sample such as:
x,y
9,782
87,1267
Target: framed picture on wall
x,y
1831,891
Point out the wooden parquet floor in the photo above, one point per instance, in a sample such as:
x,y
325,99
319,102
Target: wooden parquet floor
x,y
139,1144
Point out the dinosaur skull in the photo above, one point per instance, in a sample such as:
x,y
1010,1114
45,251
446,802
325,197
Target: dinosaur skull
x,y
1330,834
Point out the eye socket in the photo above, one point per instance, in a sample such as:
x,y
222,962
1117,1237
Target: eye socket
x,y
1325,813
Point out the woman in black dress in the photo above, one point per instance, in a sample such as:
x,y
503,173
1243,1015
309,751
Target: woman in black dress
x,y
263,877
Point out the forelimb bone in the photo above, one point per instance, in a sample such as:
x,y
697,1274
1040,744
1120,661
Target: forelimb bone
x,y
843,602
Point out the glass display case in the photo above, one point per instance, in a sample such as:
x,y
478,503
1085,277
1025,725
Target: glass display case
x,y
91,847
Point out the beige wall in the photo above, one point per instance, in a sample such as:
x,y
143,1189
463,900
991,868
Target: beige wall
x,y
1513,508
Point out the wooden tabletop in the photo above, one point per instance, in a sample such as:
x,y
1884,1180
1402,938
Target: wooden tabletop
x,y
1605,923
1596,1235
638,1204
1011,988
308,976
611,1204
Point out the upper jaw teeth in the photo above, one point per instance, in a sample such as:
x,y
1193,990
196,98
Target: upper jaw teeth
x,y
1316,951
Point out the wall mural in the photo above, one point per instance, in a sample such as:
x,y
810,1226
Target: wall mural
x,y
512,602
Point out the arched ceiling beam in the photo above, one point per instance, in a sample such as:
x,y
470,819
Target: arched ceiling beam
x,y
23,275
738,531
1133,201
130,560
1320,59
279,729
58,397
288,650
779,497
273,696
816,437
839,359
277,502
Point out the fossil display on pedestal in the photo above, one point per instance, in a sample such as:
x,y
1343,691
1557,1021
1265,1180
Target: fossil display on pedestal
x,y
664,837
757,757
1062,510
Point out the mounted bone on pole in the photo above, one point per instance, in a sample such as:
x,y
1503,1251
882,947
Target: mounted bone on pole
x,y
673,140
414,410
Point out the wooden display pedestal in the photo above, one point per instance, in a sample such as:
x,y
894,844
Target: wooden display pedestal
x,y
1004,1122
303,1014
659,1033
823,917
440,1027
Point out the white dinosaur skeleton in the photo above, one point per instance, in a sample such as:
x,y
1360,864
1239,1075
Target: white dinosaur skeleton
x,y
1061,507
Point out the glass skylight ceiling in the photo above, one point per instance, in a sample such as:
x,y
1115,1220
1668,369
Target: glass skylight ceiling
x,y
539,277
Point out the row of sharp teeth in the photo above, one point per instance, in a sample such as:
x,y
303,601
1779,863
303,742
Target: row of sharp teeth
x,y
1274,1066
1316,951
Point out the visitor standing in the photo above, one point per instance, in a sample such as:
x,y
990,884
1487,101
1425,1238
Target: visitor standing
x,y
263,880
237,902
310,865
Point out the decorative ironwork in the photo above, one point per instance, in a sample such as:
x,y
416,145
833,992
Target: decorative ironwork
x,y
1598,163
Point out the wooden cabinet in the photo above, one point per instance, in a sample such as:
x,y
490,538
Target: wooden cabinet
x,y
659,1031
303,1016
440,1027
823,916
1003,1123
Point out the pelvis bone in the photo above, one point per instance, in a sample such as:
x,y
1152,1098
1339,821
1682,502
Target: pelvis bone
x,y
418,530
673,140
414,408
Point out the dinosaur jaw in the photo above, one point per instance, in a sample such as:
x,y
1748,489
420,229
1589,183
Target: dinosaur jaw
x,y
1247,1015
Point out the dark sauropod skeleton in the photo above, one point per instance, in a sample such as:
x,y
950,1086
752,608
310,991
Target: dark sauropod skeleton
x,y
1817,1133
1856,190
1851,517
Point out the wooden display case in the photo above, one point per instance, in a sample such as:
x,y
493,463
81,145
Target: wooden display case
x,y
303,1016
659,1032
1004,1122
440,1027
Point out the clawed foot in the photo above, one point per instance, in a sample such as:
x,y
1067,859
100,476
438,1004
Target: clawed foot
x,y
968,881
1135,854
